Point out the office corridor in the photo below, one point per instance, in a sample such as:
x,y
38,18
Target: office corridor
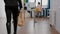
x,y
40,27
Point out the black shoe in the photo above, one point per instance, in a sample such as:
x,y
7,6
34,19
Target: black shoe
x,y
36,16
50,25
8,26
14,32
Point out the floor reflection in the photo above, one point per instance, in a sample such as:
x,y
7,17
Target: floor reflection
x,y
40,27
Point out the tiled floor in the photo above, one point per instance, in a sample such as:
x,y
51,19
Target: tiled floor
x,y
41,27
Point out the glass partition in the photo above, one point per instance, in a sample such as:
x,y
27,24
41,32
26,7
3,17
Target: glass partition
x,y
31,0
44,3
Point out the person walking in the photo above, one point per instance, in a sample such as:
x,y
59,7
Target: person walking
x,y
38,10
11,7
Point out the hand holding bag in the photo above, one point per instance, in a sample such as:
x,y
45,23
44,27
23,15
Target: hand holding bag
x,y
21,18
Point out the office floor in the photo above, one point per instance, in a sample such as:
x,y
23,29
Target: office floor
x,y
40,27
53,31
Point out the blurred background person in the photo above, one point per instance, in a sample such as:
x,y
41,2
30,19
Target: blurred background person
x,y
38,9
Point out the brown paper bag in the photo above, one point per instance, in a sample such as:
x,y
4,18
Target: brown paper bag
x,y
21,18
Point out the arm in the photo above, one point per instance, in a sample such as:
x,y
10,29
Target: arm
x,y
40,8
20,4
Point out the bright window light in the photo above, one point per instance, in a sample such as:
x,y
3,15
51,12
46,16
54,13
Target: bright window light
x,y
44,3
31,0
37,2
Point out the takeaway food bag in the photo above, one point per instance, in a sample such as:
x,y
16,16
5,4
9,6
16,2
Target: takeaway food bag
x,y
21,18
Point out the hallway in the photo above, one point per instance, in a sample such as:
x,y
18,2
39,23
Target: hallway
x,y
41,27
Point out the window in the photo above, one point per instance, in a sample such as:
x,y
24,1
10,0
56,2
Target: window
x,y
31,0
44,3
37,2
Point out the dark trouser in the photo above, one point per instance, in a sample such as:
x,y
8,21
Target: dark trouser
x,y
14,11
38,14
30,13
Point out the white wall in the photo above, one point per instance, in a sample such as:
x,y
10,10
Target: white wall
x,y
57,26
52,8
2,9
55,7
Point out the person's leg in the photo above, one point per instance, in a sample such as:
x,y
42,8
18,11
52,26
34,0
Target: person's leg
x,y
40,14
15,18
37,15
31,13
8,16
